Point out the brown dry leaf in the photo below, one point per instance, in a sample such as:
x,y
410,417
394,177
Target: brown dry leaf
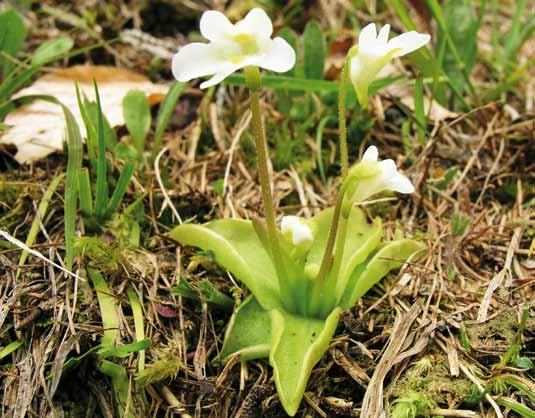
x,y
37,129
405,93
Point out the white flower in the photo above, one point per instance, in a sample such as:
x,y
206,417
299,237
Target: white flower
x,y
371,176
232,47
296,230
375,51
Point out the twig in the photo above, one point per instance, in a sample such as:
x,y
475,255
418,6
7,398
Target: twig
x,y
498,278
37,254
453,413
167,200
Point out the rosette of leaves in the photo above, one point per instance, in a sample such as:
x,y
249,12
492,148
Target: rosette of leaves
x,y
292,312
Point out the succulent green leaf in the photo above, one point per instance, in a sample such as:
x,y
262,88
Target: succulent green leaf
x,y
392,256
248,333
297,344
238,249
360,243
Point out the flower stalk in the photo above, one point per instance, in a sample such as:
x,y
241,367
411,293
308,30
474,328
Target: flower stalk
x,y
342,129
327,259
253,81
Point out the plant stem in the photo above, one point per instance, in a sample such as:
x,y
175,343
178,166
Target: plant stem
x,y
328,254
254,83
344,158
326,262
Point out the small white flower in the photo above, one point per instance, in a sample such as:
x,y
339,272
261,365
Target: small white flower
x,y
375,51
232,47
296,230
371,176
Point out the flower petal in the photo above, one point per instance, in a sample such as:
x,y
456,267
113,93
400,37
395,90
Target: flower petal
x,y
401,184
224,72
382,38
371,154
196,60
215,25
388,168
408,42
280,57
368,37
256,22
299,231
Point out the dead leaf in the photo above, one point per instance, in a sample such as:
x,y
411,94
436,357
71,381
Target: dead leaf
x,y
165,311
37,129
337,55
405,93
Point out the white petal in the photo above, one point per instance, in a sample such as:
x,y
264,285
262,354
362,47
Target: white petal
x,y
382,38
287,222
408,42
280,57
196,60
297,228
371,154
388,169
215,25
224,72
368,37
400,183
256,22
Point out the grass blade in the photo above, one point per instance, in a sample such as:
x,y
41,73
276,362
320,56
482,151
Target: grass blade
x,y
8,349
120,189
121,386
137,312
319,146
74,164
12,35
513,36
513,405
164,114
108,309
89,127
84,187
101,196
419,112
436,10
41,212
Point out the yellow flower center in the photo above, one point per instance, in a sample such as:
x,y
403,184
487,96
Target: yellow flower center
x,y
248,46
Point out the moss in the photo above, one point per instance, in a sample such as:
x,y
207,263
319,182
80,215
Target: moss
x,y
413,404
496,334
165,365
115,247
430,377
102,253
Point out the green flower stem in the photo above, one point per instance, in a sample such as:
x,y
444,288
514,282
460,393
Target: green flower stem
x,y
340,245
327,259
344,155
254,83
